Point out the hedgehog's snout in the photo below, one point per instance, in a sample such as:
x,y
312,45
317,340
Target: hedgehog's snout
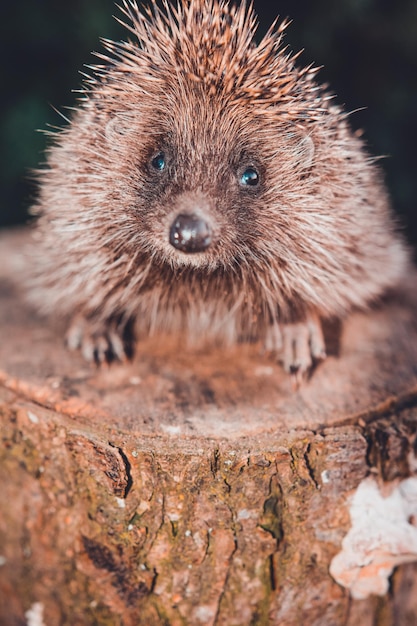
x,y
190,233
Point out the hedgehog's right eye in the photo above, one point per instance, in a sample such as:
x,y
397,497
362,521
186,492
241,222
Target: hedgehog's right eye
x,y
158,162
250,177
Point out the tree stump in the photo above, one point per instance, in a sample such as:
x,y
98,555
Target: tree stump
x,y
200,488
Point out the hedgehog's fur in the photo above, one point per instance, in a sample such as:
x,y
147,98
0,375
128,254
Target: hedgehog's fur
x,y
314,238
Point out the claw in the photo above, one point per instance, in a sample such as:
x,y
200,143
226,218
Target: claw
x,y
299,345
297,378
100,346
317,344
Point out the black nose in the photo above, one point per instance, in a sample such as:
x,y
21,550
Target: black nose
x,y
190,233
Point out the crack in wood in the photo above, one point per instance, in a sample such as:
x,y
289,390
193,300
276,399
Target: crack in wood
x,y
272,514
215,462
228,566
309,466
127,467
388,448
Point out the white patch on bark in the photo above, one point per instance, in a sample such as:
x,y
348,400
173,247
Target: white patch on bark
x,y
325,477
33,418
34,615
383,535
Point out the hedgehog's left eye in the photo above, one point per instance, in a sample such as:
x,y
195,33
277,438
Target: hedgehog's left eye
x,y
158,162
249,177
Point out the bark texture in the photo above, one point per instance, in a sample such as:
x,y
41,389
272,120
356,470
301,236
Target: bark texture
x,y
188,489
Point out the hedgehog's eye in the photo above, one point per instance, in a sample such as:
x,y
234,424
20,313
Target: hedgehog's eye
x,y
158,162
250,177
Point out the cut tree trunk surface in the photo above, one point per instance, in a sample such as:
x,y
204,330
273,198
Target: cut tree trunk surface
x,y
199,487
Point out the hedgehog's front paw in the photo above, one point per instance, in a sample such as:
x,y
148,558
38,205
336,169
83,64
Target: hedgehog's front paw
x,y
100,343
298,345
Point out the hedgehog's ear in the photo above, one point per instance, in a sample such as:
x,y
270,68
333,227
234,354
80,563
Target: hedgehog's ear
x,y
117,126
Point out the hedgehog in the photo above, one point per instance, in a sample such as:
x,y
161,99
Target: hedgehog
x,y
209,188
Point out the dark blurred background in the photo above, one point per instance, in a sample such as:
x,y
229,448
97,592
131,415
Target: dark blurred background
x,y
368,49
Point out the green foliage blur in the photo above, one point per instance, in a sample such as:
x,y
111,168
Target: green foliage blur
x,y
44,46
368,49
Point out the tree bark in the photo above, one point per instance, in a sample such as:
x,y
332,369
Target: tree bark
x,y
201,488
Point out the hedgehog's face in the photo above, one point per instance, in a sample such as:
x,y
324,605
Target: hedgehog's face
x,y
196,197
202,190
